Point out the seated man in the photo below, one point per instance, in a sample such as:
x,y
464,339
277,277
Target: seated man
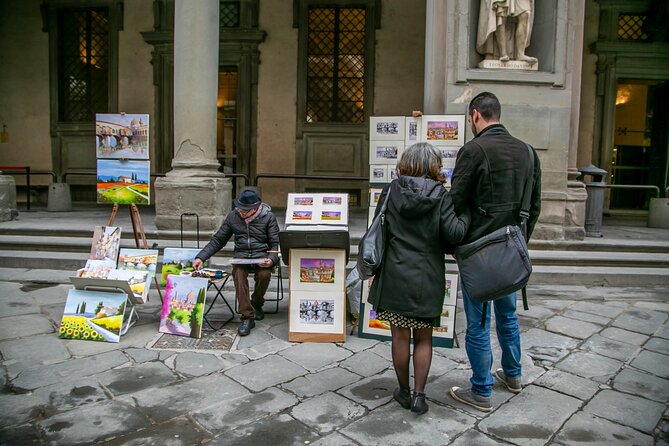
x,y
256,237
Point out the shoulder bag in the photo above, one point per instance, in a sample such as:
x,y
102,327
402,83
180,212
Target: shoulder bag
x,y
372,244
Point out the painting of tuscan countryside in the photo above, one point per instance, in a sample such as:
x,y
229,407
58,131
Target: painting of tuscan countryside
x,y
123,181
176,260
93,316
183,306
122,136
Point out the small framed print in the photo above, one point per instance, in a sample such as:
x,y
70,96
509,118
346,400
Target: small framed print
x,y
370,326
374,195
317,269
370,216
444,334
378,173
443,130
448,174
316,316
385,152
386,128
448,153
412,130
451,289
392,173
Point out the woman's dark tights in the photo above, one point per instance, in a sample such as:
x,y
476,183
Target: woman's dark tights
x,y
422,355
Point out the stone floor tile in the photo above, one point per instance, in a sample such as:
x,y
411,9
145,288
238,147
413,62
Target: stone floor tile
x,y
651,362
231,413
327,412
315,356
587,317
175,432
571,327
197,364
640,320
137,377
658,345
13,327
455,354
569,384
17,408
629,337
536,311
383,350
256,337
34,350
321,382
585,429
590,365
14,302
270,347
474,437
140,355
356,344
277,430
69,394
334,439
598,308
544,345
663,331
531,417
610,348
653,305
372,392
25,435
47,293
439,391
265,372
436,427
639,383
365,363
629,410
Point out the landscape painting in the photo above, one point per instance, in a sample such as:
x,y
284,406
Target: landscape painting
x,y
138,281
176,260
123,181
93,316
138,259
183,306
106,243
122,136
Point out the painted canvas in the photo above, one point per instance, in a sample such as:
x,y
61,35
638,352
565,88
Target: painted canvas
x,y
176,260
123,181
93,316
183,306
106,243
443,130
138,281
97,269
138,259
122,136
317,269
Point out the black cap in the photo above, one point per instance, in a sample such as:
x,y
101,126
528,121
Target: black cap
x,y
248,199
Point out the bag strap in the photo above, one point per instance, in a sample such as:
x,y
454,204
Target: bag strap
x,y
525,209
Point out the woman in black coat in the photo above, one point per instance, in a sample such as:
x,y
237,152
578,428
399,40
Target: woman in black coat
x,y
408,291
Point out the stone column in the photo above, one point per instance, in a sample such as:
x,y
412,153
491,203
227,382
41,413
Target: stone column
x,y
194,185
434,101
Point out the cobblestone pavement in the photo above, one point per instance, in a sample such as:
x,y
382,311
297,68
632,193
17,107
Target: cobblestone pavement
x,y
595,370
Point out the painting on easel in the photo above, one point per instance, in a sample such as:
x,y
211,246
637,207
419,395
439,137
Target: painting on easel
x,y
122,136
123,181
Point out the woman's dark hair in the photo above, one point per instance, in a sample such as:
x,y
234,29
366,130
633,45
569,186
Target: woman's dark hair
x,y
487,104
421,160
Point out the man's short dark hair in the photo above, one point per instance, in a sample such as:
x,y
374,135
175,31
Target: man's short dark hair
x,y
487,104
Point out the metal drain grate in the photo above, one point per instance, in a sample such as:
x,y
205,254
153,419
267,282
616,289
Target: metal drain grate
x,y
220,340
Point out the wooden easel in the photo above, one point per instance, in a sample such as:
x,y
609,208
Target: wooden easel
x,y
138,232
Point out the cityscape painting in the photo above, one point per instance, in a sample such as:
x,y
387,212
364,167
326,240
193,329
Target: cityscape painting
x,y
183,306
122,136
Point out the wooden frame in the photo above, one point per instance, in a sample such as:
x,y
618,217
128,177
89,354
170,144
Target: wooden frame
x,y
443,130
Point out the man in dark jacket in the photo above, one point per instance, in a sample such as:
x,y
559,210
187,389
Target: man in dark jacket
x,y
256,237
489,180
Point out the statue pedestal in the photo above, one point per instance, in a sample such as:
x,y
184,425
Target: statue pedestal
x,y
510,65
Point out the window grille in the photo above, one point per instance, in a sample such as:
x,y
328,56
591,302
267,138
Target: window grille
x,y
630,27
336,65
83,72
229,15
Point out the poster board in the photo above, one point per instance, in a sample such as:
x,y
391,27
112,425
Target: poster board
x,y
327,209
317,298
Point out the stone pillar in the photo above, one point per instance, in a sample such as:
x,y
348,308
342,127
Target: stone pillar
x,y
435,57
194,185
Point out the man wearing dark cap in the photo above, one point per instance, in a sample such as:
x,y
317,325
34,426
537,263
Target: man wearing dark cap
x,y
256,237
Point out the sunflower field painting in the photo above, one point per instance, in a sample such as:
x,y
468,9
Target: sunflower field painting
x,y
93,316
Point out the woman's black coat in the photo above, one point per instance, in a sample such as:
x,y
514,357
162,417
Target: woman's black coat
x,y
421,227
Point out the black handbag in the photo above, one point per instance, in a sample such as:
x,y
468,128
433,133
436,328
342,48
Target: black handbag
x,y
498,264
372,244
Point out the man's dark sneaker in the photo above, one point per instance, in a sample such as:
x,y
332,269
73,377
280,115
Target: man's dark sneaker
x,y
512,382
418,403
482,403
403,396
260,315
245,328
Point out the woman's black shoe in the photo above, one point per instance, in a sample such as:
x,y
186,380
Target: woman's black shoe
x,y
403,396
418,403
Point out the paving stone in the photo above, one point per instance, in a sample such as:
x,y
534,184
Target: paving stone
x,y
14,302
531,417
653,305
327,412
439,366
91,423
474,437
315,356
34,350
246,409
642,384
356,344
659,345
585,429
257,336
610,348
256,375
47,293
51,374
176,432
392,425
568,384
383,350
455,354
640,320
13,327
587,317
320,382
266,348
141,355
439,391
25,435
597,308
625,409
571,327
137,377
655,363
629,337
590,365
197,364
17,409
366,363
372,392
161,404
68,394
663,332
544,345
334,439
536,311
559,304
277,430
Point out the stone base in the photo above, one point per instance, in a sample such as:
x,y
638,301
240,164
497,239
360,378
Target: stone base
x,y
510,65
60,199
8,209
210,197
574,214
658,213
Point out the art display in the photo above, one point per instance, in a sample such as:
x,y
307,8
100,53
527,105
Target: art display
x,y
378,173
138,260
183,306
369,325
451,289
317,209
139,282
93,316
106,243
122,136
387,128
123,181
317,316
385,152
412,126
176,260
443,130
317,269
